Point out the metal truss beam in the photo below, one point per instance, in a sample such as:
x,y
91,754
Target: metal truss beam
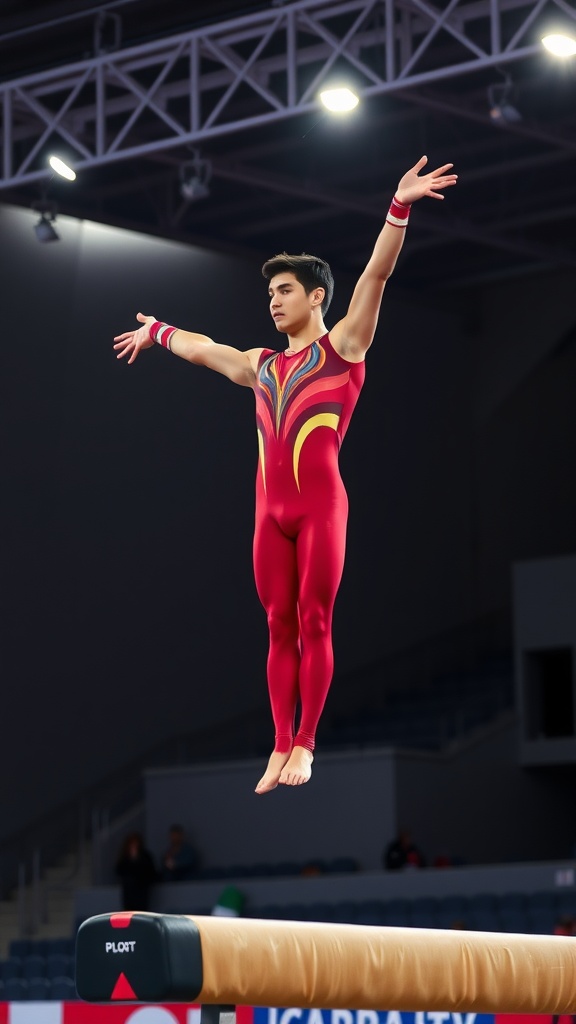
x,y
251,71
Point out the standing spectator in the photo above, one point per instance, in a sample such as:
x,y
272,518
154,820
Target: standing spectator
x,y
136,871
402,853
180,862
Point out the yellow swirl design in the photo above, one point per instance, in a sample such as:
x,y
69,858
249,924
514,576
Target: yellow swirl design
x,y
322,419
261,457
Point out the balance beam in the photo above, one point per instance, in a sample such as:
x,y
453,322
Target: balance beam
x,y
237,961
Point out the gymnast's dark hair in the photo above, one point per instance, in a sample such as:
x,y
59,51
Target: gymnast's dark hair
x,y
310,271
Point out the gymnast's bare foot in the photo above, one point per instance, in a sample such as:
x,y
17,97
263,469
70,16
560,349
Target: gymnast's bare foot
x,y
271,776
298,767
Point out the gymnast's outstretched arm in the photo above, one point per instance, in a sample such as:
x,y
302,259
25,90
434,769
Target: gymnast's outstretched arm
x,y
239,367
353,335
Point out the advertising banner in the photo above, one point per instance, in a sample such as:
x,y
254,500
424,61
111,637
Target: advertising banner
x,y
181,1013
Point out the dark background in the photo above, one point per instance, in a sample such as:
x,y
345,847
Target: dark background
x,y
129,610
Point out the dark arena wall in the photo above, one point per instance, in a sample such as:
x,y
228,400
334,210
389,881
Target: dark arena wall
x,y
129,609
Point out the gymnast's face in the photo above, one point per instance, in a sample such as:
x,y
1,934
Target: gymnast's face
x,y
290,306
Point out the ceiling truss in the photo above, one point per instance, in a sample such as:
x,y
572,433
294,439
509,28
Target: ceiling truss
x,y
250,71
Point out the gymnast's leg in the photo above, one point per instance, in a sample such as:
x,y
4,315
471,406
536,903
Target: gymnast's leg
x,y
275,571
320,547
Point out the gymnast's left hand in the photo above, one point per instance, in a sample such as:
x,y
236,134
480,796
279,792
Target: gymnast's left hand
x,y
413,186
133,342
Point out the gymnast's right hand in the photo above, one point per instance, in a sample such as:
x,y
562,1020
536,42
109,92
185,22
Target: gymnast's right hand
x,y
132,342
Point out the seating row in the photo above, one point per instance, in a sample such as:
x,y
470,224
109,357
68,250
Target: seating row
x,y
42,947
57,965
37,990
513,912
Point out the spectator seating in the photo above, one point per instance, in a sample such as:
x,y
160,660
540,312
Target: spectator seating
x,y
38,970
427,717
535,913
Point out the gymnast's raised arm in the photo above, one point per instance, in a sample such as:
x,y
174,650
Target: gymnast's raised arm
x,y
353,335
239,367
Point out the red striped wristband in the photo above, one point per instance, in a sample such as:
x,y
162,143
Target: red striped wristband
x,y
398,213
162,334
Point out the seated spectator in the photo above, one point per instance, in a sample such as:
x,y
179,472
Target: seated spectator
x,y
136,871
402,853
565,925
180,861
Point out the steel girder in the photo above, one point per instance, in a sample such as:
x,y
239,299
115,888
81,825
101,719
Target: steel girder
x,y
251,71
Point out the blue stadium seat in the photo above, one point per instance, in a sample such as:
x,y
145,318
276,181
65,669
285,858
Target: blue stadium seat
x,y
425,913
63,989
345,912
451,910
512,901
320,912
370,912
40,947
483,920
15,990
11,968
295,912
542,921
566,902
482,913
39,990
270,912
59,965
33,966
514,920
539,900
397,913
62,945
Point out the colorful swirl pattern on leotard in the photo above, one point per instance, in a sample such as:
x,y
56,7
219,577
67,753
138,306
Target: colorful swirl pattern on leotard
x,y
297,394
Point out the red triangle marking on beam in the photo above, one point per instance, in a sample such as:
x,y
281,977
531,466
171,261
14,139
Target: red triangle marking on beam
x,y
123,989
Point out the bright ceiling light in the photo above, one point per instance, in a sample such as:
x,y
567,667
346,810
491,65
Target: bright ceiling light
x,y
560,45
339,100
61,168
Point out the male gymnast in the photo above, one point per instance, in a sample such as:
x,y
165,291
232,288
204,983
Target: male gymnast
x,y
305,396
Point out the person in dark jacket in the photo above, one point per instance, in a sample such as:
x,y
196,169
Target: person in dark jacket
x,y
136,871
402,853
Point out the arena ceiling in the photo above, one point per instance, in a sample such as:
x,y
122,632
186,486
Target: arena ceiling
x,y
200,121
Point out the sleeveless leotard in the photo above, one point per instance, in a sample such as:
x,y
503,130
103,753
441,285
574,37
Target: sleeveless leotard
x,y
303,407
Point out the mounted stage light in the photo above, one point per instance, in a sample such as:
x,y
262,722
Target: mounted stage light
x,y
45,230
502,110
61,168
339,101
560,44
195,178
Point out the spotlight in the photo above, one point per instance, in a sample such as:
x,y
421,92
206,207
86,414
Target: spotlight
x,y
560,45
502,111
44,229
195,178
61,168
339,101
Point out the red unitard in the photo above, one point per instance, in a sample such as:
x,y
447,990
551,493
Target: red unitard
x,y
303,407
